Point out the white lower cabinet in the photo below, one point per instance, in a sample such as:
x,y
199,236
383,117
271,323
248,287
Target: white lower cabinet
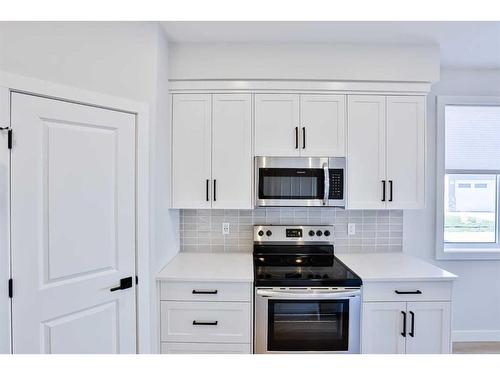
x,y
211,318
409,325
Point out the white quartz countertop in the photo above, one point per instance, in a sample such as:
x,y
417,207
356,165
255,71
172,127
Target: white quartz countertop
x,y
217,267
393,267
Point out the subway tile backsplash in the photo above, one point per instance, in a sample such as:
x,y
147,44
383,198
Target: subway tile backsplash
x,y
376,231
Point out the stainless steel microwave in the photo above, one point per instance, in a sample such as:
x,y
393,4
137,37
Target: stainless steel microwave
x,y
299,181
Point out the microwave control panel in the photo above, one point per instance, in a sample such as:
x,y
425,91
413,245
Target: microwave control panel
x,y
336,184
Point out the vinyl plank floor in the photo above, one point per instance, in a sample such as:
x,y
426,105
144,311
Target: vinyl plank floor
x,y
479,347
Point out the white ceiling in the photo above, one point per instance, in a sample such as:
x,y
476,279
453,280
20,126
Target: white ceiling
x,y
462,44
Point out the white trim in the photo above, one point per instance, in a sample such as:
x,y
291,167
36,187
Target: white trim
x,y
18,83
338,87
460,253
475,335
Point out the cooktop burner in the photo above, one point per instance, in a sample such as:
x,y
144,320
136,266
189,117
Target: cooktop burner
x,y
295,261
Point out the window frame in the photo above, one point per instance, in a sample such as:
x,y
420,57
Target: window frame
x,y
464,250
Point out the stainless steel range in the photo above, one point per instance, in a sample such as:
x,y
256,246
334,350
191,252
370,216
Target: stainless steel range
x,y
306,300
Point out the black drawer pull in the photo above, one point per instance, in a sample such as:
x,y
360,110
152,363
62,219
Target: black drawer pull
x,y
410,292
205,291
205,323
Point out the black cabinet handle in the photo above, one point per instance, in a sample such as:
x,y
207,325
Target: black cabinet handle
x,y
409,292
205,323
215,291
125,283
390,190
208,197
215,190
296,137
383,190
303,137
404,324
412,328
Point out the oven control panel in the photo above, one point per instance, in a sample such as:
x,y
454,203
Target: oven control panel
x,y
293,233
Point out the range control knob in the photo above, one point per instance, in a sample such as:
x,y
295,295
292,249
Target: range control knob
x,y
268,233
319,233
260,233
327,233
311,233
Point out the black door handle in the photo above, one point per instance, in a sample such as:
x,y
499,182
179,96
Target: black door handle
x,y
383,190
390,190
303,137
205,323
404,324
412,328
215,190
125,283
208,182
410,292
296,137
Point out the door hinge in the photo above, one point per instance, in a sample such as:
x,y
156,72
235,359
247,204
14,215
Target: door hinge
x,y
11,291
9,136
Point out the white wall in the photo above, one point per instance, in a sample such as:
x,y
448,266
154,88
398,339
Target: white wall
x,y
476,313
125,59
304,61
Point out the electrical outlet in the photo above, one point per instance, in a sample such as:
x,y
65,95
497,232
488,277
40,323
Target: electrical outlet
x,y
351,229
225,228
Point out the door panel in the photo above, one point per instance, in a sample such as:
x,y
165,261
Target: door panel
x,y
366,151
382,324
431,328
323,117
276,117
191,150
406,150
232,151
73,227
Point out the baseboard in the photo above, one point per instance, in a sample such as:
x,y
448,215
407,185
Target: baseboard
x,y
478,335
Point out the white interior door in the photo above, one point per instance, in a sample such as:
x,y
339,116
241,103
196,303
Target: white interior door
x,y
277,125
382,325
406,151
322,125
191,150
429,327
366,152
73,227
232,151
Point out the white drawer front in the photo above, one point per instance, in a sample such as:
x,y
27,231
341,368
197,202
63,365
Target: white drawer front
x,y
198,291
204,348
407,291
205,321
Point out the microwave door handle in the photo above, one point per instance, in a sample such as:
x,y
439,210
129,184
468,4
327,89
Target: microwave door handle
x,y
326,184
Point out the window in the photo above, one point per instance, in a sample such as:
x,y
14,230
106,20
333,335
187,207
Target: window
x,y
468,173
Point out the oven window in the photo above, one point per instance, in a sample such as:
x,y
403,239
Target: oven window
x,y
308,325
291,183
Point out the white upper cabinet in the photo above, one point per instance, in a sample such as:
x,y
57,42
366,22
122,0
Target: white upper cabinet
x,y
191,149
232,151
406,151
366,168
212,151
277,125
322,125
386,152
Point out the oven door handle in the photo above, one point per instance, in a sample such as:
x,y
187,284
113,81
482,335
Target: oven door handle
x,y
326,184
309,295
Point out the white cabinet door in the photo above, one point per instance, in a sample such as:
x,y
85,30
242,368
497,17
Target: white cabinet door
x,y
405,151
322,125
277,125
73,227
191,150
366,148
429,328
382,325
232,151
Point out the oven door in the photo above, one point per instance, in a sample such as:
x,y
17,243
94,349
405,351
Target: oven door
x,y
291,320
290,181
